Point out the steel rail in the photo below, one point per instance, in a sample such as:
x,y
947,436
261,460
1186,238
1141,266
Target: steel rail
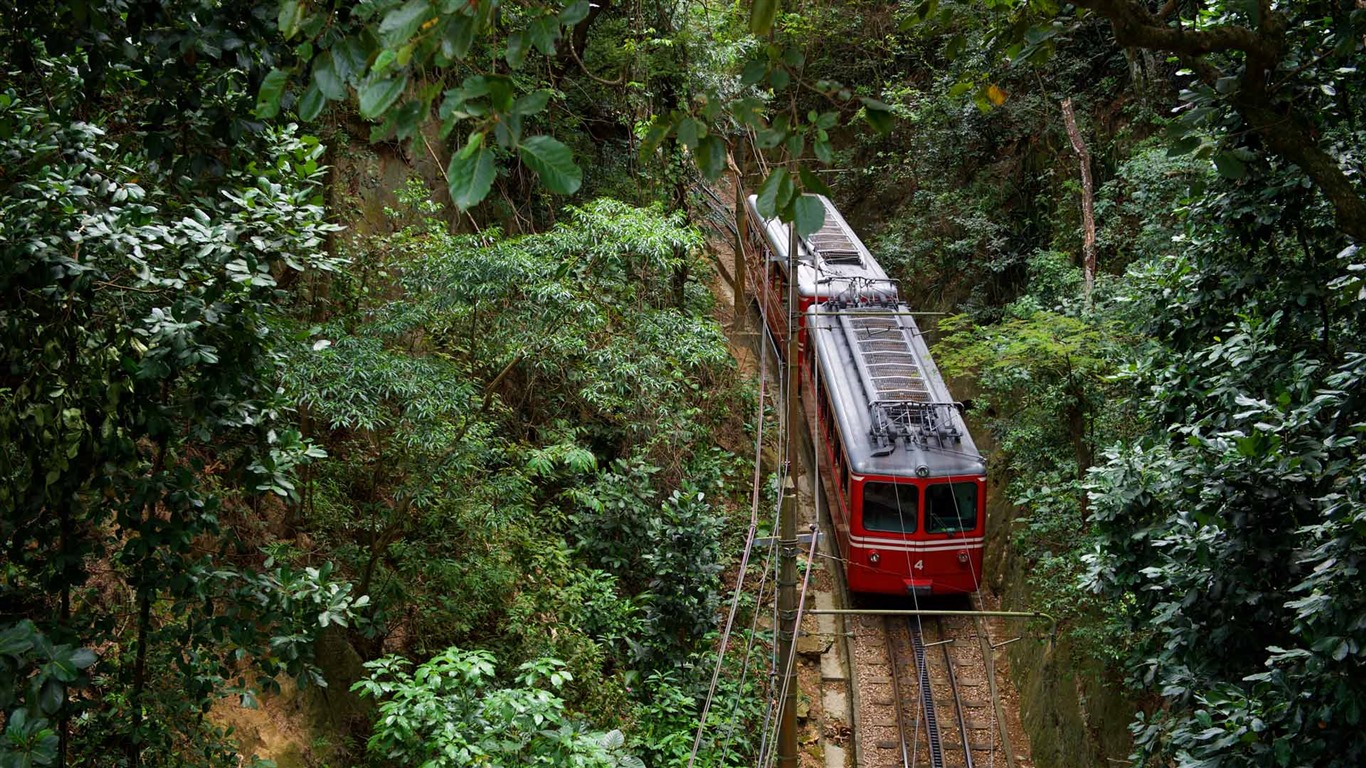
x,y
957,700
907,746
989,660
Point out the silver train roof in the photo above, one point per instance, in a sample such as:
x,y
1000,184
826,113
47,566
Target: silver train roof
x,y
896,416
830,262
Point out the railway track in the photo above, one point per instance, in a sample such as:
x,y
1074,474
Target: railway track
x,y
925,700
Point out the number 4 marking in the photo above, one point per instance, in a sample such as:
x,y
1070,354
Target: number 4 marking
x,y
920,565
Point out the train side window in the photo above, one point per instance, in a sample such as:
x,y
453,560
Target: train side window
x,y
890,507
951,507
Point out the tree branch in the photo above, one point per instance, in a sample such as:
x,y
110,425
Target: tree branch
x,y
1136,26
1283,128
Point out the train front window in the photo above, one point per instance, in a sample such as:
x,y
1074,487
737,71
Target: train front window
x,y
950,507
890,507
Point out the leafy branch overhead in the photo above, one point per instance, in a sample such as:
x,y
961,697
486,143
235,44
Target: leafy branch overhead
x,y
395,58
1249,70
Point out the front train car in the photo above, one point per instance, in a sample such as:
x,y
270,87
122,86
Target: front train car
x,y
906,484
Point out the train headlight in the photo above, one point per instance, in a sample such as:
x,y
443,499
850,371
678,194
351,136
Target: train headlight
x,y
963,557
874,558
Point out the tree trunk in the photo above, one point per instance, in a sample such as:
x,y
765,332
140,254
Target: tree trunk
x,y
741,234
1088,212
139,676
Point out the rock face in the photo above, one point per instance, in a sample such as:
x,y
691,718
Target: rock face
x,y
302,727
1073,714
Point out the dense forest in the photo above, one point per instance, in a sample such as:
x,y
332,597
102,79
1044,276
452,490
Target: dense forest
x,y
360,362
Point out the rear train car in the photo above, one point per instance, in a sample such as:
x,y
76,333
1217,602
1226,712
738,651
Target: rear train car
x,y
904,480
831,263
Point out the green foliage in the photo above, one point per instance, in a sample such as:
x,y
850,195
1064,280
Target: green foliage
x,y
669,712
402,59
1044,373
1137,212
1233,527
140,417
1229,52
184,72
514,424
35,676
448,712
670,549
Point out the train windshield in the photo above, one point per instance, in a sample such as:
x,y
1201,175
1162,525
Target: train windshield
x,y
950,507
890,507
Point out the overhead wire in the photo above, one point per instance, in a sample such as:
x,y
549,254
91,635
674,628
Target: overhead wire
x,y
789,435
768,563
748,549
744,561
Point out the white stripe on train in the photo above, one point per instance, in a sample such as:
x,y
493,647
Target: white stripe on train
x,y
885,546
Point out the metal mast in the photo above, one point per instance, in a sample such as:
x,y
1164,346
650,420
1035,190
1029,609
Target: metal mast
x,y
787,532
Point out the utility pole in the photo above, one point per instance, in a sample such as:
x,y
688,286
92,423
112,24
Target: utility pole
x,y
741,236
787,531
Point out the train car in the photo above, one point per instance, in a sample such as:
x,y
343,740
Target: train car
x,y
831,263
905,483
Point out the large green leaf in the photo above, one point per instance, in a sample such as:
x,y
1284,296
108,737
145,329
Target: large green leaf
x,y
531,103
575,12
50,698
378,94
761,16
349,58
879,115
471,173
1229,166
689,130
809,214
325,76
811,182
311,103
754,71
82,658
553,162
268,99
459,36
775,193
18,639
516,51
711,156
401,23
544,31
291,13
1183,146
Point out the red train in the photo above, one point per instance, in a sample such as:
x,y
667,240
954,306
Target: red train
x,y
905,483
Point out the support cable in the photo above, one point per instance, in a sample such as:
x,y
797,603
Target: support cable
x,y
744,565
792,655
